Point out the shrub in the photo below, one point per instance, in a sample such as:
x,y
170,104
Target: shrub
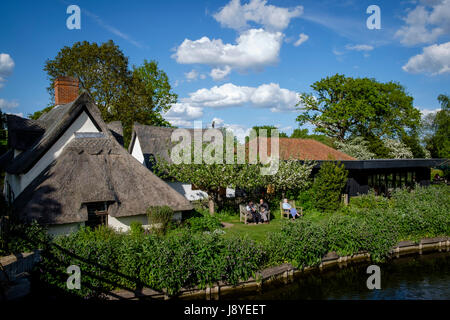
x,y
160,216
205,222
136,228
328,186
17,237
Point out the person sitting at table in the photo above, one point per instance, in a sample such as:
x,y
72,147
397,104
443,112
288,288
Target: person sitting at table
x,y
264,211
251,208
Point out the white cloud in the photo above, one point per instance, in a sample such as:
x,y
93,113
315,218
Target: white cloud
x,y
184,110
229,95
301,39
434,59
359,47
236,16
426,112
192,75
425,23
220,73
5,104
6,67
254,48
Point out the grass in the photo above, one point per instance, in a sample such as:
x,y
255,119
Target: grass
x,y
259,232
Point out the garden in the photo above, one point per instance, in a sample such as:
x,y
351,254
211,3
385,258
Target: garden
x,y
200,251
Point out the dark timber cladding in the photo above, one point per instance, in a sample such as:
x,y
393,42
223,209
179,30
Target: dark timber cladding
x,y
383,175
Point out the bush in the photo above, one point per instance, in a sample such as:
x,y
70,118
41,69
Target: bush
x,y
17,237
205,222
161,217
328,186
136,228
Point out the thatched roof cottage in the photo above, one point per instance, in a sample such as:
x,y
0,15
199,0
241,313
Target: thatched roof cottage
x,y
68,169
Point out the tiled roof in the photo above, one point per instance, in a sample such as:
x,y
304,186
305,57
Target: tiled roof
x,y
306,149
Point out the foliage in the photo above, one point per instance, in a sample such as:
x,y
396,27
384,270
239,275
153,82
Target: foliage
x,y
357,148
328,185
160,217
16,237
268,131
397,149
438,126
136,228
301,243
137,95
344,106
291,175
108,261
205,222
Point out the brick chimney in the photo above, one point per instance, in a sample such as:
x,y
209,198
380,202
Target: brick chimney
x,y
66,90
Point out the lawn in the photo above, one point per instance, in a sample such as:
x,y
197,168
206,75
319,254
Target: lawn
x,y
256,232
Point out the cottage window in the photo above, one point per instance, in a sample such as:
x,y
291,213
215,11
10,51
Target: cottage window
x,y
97,214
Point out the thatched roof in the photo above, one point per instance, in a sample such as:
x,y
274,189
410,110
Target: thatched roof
x,y
116,129
55,122
156,141
91,168
23,133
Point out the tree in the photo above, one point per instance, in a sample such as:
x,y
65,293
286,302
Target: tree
x,y
328,185
356,147
438,137
291,175
140,94
343,107
397,149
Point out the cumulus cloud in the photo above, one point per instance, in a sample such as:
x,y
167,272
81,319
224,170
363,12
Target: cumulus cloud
x,y
359,47
434,59
425,23
269,96
254,48
301,39
6,67
182,114
237,16
220,73
5,104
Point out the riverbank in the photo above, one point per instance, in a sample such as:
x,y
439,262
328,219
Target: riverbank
x,y
287,273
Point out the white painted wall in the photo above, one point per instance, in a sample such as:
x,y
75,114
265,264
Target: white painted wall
x,y
19,182
136,151
122,224
186,190
64,229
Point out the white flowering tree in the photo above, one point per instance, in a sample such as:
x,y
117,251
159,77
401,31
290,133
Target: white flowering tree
x,y
357,148
398,150
292,174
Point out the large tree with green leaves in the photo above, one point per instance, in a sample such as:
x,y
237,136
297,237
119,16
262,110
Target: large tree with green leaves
x,y
140,94
438,127
341,107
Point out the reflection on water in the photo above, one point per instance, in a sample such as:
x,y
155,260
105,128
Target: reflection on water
x,y
415,277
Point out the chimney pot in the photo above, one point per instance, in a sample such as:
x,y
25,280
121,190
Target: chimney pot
x,y
66,90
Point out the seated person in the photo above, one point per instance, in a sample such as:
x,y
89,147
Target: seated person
x,y
251,208
294,213
286,206
264,210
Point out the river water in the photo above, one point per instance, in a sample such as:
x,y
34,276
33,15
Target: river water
x,y
416,277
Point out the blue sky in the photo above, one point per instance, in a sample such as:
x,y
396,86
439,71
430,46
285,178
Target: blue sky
x,y
241,63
